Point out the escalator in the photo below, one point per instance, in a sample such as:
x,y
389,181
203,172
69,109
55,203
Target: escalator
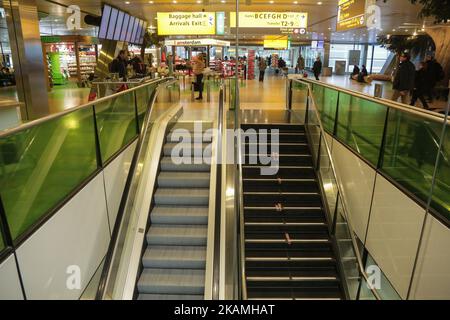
x,y
289,253
175,247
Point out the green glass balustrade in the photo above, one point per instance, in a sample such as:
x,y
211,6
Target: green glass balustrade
x,y
410,153
441,192
326,100
41,165
2,243
116,124
360,126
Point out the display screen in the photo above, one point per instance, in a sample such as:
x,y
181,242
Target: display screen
x,y
104,24
112,23
317,44
138,32
141,40
130,28
123,34
119,25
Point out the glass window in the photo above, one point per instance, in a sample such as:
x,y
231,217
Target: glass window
x,y
380,56
340,52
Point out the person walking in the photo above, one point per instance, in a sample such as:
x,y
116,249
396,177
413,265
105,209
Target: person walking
x,y
404,79
434,74
420,86
262,69
317,68
300,67
198,68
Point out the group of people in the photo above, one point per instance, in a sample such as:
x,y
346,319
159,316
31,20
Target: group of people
x,y
7,77
264,63
418,84
120,65
359,74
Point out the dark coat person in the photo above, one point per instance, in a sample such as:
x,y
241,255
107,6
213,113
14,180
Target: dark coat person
x,y
317,68
119,65
404,79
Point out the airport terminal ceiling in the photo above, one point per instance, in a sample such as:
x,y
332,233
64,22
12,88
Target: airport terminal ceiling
x,y
398,17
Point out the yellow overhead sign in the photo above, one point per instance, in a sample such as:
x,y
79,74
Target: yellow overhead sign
x,y
186,23
351,14
279,20
278,44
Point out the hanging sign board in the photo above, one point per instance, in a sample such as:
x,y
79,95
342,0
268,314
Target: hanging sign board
x,y
186,23
276,43
281,22
351,14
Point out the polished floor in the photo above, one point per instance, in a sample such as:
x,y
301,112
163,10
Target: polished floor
x,y
254,95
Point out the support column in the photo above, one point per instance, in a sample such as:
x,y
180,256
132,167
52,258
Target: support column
x,y
326,54
27,53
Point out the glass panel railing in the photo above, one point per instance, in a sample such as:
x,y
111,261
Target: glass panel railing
x,y
299,99
347,252
41,165
360,125
410,152
340,222
2,242
440,199
142,100
116,123
326,100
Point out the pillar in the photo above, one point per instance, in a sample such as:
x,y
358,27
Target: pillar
x,y
28,57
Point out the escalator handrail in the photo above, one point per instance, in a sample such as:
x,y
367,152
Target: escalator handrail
x,y
239,206
34,123
218,199
106,269
342,193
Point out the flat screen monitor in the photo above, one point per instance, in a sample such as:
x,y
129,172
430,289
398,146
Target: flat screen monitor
x,y
144,28
112,24
139,32
119,25
123,35
130,28
135,29
104,23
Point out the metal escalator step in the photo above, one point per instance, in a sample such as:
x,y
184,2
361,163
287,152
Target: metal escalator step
x,y
253,148
282,127
281,160
172,281
183,180
282,172
267,136
176,136
190,197
268,184
187,149
175,257
174,297
179,215
190,126
182,235
285,199
167,164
